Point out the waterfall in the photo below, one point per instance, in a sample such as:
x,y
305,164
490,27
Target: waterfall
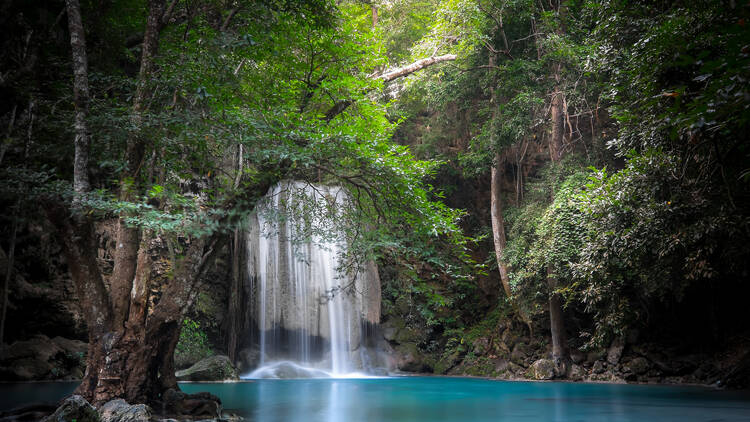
x,y
309,312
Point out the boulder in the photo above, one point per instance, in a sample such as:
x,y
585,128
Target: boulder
x,y
248,358
40,358
576,373
543,369
501,365
74,408
598,367
407,358
614,353
212,368
69,346
119,410
38,347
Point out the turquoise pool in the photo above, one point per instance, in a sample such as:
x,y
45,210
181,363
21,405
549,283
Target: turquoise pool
x,y
439,399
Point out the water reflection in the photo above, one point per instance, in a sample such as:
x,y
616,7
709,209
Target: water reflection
x,y
416,399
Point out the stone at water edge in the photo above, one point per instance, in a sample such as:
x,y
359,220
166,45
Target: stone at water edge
x,y
543,369
74,408
212,368
119,410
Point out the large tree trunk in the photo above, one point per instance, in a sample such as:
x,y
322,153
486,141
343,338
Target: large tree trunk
x,y
498,224
131,347
496,209
560,351
80,96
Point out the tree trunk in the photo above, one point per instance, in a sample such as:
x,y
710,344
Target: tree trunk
x,y
560,352
80,97
8,275
498,227
131,348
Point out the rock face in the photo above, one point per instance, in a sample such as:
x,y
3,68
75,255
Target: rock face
x,y
74,408
638,366
614,353
213,368
543,369
120,411
42,358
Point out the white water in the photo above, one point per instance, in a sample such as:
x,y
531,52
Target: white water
x,y
309,313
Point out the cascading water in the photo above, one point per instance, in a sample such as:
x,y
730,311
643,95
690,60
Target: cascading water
x,y
309,316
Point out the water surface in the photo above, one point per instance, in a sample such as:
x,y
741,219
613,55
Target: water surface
x,y
440,399
437,399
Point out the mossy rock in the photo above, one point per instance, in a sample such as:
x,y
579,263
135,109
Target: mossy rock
x,y
542,369
212,368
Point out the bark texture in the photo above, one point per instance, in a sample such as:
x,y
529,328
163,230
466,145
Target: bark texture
x,y
498,225
80,96
131,339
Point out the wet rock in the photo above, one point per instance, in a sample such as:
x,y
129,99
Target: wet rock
x,y
119,410
501,365
74,408
543,369
614,353
519,354
288,370
248,359
213,368
576,373
517,371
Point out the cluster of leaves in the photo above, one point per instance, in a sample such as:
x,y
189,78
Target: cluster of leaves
x,y
193,344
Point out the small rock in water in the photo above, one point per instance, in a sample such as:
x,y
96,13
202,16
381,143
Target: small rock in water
x,y
119,410
74,408
287,370
212,368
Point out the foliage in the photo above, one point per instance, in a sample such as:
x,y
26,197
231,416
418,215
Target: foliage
x,y
193,344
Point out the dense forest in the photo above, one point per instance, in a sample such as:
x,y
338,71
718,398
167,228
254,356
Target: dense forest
x,y
548,189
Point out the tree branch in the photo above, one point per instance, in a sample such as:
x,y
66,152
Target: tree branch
x,y
416,66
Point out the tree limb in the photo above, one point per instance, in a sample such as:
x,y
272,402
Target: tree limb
x,y
416,66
